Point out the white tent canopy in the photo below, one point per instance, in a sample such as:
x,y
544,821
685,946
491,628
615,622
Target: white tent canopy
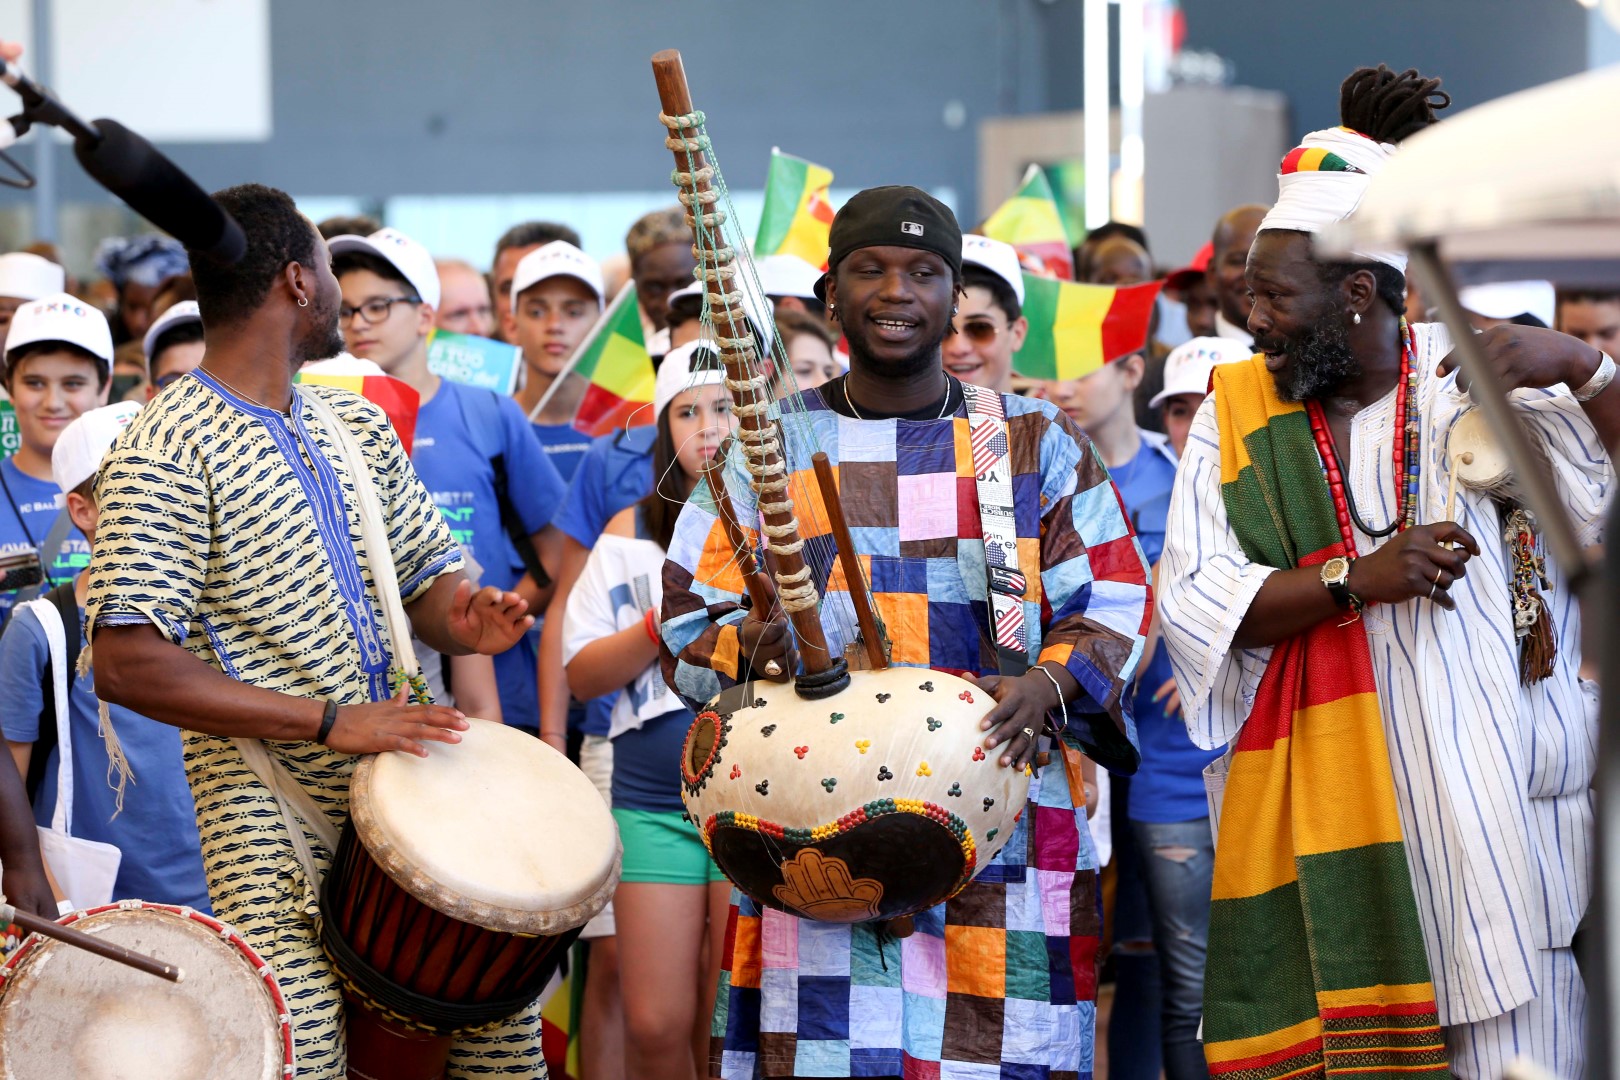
x,y
1527,186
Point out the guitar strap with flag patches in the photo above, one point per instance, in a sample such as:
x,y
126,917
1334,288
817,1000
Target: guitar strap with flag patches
x,y
1006,583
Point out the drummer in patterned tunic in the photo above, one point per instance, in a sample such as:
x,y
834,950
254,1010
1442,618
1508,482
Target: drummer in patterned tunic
x,y
229,597
1000,980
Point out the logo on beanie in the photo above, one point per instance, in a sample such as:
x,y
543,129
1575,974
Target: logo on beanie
x,y
911,228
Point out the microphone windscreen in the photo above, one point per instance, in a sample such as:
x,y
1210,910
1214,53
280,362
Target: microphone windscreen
x,y
157,189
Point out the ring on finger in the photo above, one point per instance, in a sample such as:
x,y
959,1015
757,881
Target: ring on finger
x,y
1029,733
1433,589
1438,571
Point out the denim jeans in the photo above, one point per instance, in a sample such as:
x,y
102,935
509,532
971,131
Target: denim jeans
x,y
1178,865
1134,1039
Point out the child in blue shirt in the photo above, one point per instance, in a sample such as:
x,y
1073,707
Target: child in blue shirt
x,y
58,365
151,820
390,288
557,296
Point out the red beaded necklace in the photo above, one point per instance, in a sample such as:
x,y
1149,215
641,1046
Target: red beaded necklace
x,y
1407,459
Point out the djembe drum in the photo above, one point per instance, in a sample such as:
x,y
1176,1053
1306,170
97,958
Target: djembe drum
x,y
69,1013
458,885
876,802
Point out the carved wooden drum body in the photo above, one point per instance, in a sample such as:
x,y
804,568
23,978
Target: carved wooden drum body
x,y
69,1013
462,877
878,801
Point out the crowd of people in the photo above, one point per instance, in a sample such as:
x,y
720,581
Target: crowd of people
x,y
1214,537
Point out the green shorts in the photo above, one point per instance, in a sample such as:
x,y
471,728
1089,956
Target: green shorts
x,y
662,848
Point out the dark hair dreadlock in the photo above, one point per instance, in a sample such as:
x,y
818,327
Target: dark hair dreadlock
x,y
1389,107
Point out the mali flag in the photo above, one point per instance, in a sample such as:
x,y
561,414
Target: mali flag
x,y
1030,222
1076,329
798,211
614,360
395,397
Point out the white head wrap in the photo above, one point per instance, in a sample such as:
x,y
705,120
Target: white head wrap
x,y
1322,180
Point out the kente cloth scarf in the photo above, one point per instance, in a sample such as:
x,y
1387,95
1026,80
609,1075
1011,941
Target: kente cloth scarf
x,y
1316,961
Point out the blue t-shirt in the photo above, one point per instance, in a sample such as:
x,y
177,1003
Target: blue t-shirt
x,y
157,829
39,502
647,763
564,444
456,437
615,473
1169,786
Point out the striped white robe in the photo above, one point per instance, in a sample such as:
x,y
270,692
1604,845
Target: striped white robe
x,y
1493,779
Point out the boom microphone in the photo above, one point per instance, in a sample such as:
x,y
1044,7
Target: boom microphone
x,y
133,169
157,189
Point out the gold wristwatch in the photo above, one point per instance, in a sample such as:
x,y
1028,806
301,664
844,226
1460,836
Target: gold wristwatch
x,y
1336,576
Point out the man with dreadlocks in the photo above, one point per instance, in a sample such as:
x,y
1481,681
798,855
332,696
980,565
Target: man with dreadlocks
x,y
1405,837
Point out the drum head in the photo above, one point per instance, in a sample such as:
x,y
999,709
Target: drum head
x,y
69,1013
498,830
1479,459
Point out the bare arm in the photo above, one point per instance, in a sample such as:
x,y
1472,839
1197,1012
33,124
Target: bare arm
x,y
454,618
476,692
1414,564
1530,356
555,694
611,663
25,881
548,544
190,694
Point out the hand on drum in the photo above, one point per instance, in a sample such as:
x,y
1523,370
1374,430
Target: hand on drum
x,y
394,725
488,620
1019,715
761,641
1418,563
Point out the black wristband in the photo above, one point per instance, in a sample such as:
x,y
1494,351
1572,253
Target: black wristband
x,y
328,718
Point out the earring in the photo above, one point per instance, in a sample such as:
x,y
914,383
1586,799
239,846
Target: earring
x,y
832,309
303,301
953,309
1356,318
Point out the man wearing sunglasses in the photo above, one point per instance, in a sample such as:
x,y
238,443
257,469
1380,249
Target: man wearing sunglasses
x,y
173,346
989,325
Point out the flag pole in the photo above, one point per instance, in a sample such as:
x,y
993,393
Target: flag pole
x,y
597,331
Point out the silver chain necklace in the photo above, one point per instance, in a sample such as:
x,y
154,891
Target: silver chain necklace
x,y
949,379
238,393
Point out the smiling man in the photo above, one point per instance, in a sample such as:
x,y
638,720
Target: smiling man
x,y
1361,650
1000,980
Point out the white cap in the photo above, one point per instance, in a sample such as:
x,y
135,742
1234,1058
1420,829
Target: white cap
x,y
787,275
60,317
1510,299
675,373
29,277
557,259
998,258
185,311
83,443
1187,368
343,364
407,256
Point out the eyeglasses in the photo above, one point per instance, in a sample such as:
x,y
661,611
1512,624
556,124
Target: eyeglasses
x,y
980,331
375,310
